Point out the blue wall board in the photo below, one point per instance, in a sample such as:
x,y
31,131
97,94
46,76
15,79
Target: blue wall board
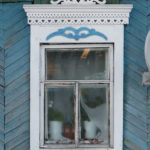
x,y
15,65
136,107
1,82
15,72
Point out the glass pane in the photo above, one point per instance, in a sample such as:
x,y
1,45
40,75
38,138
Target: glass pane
x,y
77,64
94,114
59,114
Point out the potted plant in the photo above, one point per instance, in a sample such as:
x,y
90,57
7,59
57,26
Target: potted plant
x,y
68,130
55,123
89,125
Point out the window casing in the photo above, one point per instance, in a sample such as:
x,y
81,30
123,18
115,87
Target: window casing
x,y
89,23
55,83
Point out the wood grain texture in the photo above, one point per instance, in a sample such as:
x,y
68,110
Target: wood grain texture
x,y
14,45
136,108
16,66
1,82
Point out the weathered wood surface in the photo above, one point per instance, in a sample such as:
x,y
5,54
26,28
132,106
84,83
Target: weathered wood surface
x,y
136,104
16,44
15,41
1,82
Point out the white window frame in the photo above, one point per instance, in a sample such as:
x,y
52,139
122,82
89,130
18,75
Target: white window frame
x,y
76,82
110,20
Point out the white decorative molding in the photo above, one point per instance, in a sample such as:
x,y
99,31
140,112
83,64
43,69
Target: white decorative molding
x,y
49,23
78,14
79,2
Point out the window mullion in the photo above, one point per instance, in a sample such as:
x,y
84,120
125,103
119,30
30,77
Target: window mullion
x,y
76,113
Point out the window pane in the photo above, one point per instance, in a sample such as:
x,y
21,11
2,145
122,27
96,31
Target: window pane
x,y
94,113
77,64
59,114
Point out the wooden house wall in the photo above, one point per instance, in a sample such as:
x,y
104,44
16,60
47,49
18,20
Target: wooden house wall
x,y
1,82
15,39
14,68
136,104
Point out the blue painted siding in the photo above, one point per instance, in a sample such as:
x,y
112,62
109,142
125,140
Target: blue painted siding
x,y
1,82
14,41
136,110
1,99
14,76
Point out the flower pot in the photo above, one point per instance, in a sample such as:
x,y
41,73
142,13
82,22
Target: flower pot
x,y
69,132
90,129
55,130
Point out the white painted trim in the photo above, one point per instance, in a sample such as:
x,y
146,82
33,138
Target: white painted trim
x,y
115,34
109,82
75,2
77,14
35,85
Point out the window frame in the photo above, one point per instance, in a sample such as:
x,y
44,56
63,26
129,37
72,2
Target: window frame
x,y
109,81
45,20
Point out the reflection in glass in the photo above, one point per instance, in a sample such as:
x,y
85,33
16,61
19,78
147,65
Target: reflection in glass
x,y
94,113
59,114
77,64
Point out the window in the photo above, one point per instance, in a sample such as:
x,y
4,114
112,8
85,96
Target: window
x,y
77,80
76,75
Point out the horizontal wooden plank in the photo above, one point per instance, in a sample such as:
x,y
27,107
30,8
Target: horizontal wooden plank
x,y
9,90
129,145
13,58
16,112
17,131
17,64
135,121
133,78
17,47
137,114
139,5
22,70
18,102
23,117
17,141
136,131
139,144
139,105
130,63
22,146
14,39
21,91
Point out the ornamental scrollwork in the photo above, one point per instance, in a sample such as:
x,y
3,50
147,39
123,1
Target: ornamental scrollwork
x,y
80,2
76,34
